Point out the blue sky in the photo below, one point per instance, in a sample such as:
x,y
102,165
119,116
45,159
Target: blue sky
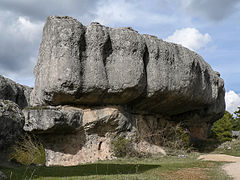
x,y
210,27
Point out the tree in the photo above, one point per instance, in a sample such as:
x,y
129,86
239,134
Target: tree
x,y
222,129
236,120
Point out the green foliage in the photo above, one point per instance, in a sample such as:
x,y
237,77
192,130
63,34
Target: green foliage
x,y
222,129
236,120
169,135
28,150
121,147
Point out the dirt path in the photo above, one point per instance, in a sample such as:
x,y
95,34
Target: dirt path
x,y
232,169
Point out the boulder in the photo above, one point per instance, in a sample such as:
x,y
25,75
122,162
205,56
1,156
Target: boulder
x,y
10,90
11,123
98,65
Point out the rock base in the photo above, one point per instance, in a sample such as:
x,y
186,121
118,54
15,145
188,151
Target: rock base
x,y
75,135
90,140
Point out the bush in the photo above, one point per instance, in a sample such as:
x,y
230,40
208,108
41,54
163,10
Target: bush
x,y
169,134
222,129
178,138
28,150
121,147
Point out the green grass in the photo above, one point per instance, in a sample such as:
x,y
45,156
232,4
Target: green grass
x,y
145,168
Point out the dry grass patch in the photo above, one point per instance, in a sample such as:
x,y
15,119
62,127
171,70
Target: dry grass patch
x,y
188,174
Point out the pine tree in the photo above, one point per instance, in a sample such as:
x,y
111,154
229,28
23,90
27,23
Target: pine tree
x,y
222,129
236,120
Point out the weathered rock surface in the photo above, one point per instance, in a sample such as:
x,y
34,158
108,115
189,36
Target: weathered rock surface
x,y
90,140
97,65
11,123
9,90
50,119
178,80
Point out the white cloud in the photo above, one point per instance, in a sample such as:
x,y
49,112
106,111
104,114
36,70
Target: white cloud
x,y
30,31
20,39
232,101
114,11
190,38
123,12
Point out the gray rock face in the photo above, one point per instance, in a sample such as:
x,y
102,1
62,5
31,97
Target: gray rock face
x,y
51,119
178,80
9,90
97,65
88,65
11,123
60,52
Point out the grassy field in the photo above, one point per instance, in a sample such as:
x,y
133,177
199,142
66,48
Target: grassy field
x,y
154,168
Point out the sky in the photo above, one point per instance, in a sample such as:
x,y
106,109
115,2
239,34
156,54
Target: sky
x,y
209,27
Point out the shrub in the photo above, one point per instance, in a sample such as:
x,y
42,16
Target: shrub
x,y
169,134
28,150
121,147
222,129
178,138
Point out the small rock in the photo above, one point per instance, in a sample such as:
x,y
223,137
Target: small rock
x,y
182,156
2,176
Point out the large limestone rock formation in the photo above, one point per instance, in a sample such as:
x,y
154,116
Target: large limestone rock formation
x,y
94,83
97,65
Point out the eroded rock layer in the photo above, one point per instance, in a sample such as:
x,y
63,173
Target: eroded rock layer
x,y
90,139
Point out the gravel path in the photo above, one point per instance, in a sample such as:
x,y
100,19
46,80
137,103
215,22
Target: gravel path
x,y
232,169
